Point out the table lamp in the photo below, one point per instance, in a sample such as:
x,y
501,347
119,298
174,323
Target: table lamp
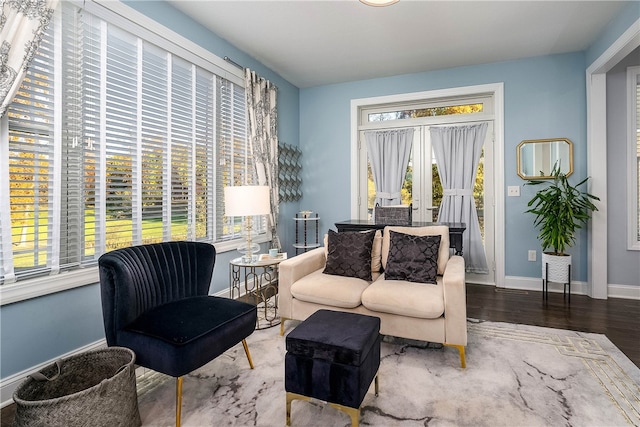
x,y
247,201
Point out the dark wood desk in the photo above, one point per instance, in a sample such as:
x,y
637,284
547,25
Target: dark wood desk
x,y
455,229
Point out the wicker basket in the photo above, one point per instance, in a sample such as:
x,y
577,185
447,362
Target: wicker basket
x,y
393,215
95,388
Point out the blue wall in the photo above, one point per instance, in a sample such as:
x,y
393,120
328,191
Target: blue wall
x,y
544,98
41,329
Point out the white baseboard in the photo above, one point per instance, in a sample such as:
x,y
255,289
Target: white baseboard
x,y
623,291
8,385
223,293
579,288
533,284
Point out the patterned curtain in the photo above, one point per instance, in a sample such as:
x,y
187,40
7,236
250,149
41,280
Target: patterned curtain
x,y
22,25
262,110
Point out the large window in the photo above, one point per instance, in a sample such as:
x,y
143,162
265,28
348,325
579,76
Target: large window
x,y
115,139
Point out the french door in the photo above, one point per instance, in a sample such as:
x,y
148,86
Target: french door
x,y
422,188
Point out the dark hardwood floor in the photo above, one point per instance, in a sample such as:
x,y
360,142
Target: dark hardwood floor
x,y
618,319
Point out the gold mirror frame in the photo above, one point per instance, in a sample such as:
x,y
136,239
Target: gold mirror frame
x,y
541,155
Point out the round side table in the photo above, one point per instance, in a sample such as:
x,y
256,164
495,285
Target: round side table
x,y
260,280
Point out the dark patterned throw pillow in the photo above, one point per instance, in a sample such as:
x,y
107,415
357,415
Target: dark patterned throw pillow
x,y
412,258
349,254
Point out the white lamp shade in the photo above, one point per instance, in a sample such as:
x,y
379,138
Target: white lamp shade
x,y
246,200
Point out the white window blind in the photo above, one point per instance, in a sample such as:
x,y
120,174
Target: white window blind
x,y
115,140
31,168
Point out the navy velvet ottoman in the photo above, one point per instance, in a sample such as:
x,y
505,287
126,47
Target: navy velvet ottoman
x,y
333,356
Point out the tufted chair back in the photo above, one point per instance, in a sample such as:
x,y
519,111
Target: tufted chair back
x,y
139,278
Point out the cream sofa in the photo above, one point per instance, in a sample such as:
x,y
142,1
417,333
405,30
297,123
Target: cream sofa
x,y
426,312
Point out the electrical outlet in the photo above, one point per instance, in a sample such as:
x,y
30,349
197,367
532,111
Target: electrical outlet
x,y
513,191
532,255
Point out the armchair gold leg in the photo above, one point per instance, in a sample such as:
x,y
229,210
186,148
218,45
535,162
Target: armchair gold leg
x,y
178,400
282,319
460,348
246,350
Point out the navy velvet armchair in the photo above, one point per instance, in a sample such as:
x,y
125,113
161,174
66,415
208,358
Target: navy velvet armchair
x,y
155,301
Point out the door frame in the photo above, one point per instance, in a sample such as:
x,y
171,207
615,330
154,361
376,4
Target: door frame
x,y
497,91
597,275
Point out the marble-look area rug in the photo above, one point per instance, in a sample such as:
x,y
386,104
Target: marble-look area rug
x,y
516,375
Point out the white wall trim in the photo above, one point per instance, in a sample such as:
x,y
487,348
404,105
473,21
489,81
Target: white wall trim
x,y
597,152
633,244
499,202
577,287
45,285
624,291
497,90
533,284
39,286
624,45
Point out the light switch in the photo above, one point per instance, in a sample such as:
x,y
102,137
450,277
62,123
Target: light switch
x,y
513,191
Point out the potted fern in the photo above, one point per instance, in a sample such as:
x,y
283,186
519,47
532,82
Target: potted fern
x,y
560,210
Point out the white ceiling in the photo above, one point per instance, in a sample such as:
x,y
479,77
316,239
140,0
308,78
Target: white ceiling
x,y
316,42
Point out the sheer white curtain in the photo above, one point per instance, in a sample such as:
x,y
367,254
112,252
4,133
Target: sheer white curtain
x,y
22,25
261,96
458,150
388,153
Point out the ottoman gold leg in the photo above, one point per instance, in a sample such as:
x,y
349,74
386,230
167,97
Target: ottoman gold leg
x,y
354,413
290,398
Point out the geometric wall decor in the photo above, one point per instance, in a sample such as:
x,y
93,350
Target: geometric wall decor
x,y
289,167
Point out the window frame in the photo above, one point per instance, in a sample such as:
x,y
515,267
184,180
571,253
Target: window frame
x,y
633,203
140,25
484,99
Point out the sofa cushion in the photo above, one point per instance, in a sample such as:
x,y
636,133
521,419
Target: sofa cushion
x,y
376,251
432,230
326,289
412,258
405,298
349,254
